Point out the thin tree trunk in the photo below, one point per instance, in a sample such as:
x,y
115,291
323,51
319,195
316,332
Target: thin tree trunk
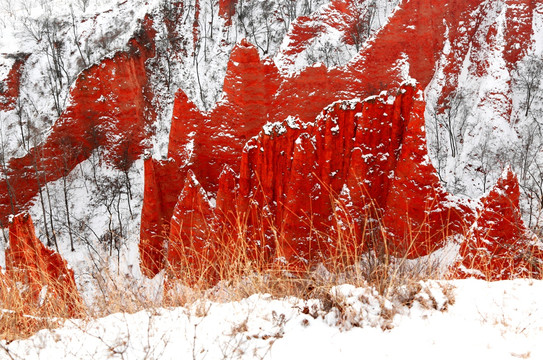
x,y
65,190
53,232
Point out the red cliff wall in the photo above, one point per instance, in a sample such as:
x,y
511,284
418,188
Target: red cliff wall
x,y
292,176
372,157
278,172
191,250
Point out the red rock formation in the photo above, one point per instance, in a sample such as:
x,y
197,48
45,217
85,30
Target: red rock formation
x,y
29,262
191,249
292,176
372,157
9,91
186,120
162,179
109,107
375,152
419,215
266,167
519,30
378,66
108,99
499,246
249,86
207,142
226,202
482,38
409,45
416,38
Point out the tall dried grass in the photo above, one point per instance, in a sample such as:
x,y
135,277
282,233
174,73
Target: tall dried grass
x,y
232,268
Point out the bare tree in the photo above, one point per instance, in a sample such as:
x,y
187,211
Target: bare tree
x,y
288,12
77,37
47,31
108,194
39,173
436,147
197,67
489,161
83,4
124,163
527,77
307,7
68,153
454,120
364,13
20,112
446,134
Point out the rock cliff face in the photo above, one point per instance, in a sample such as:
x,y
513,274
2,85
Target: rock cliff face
x,y
191,250
372,156
410,204
44,274
409,46
358,178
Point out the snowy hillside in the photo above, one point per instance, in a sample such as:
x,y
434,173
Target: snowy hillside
x,y
472,319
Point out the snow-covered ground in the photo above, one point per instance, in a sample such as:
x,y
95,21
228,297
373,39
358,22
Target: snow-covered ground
x,y
473,320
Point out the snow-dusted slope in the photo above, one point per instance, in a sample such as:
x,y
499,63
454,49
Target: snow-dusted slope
x,y
474,319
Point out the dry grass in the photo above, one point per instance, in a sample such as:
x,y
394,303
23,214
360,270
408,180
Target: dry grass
x,y
231,268
226,273
115,293
24,312
237,276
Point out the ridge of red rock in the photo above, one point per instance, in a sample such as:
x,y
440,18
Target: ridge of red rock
x,y
28,261
498,245
9,93
159,201
190,249
109,107
210,140
298,174
113,98
408,46
360,173
205,142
